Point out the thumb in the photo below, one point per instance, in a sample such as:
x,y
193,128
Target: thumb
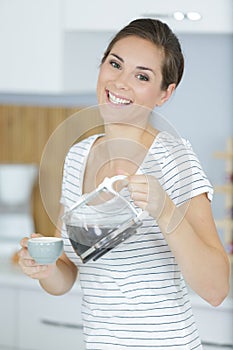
x,y
121,183
24,240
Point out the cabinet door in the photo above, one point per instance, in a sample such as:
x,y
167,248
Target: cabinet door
x,y
49,322
8,317
31,46
97,15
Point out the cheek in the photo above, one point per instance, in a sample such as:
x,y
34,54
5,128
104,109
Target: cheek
x,y
103,72
100,83
149,97
103,76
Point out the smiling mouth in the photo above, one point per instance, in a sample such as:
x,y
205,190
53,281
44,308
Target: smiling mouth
x,y
117,100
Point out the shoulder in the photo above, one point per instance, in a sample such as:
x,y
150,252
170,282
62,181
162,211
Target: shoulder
x,y
182,170
167,147
172,142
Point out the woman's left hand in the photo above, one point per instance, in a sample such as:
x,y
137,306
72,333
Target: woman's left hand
x,y
147,193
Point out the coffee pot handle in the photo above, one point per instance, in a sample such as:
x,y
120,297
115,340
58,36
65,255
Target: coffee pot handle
x,y
109,182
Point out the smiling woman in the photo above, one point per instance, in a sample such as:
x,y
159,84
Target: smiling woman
x,y
135,296
126,78
165,40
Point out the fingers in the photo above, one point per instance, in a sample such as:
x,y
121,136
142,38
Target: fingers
x,y
147,194
24,241
33,270
27,264
139,190
138,186
30,268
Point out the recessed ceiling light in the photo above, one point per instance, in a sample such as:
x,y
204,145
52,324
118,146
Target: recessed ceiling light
x,y
193,16
179,16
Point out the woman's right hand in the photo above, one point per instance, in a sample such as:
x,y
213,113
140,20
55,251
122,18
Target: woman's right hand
x,y
28,265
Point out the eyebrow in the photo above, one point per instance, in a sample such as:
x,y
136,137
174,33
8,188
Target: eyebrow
x,y
138,67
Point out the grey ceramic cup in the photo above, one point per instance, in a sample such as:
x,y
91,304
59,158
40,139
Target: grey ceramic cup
x,y
45,250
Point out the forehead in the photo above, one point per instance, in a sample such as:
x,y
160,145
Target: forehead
x,y
140,50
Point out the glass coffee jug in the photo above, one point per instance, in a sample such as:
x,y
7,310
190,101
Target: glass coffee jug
x,y
101,220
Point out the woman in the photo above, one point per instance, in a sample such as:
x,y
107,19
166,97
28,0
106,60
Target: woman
x,y
135,296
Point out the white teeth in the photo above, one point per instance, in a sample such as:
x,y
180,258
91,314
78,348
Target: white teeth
x,y
117,100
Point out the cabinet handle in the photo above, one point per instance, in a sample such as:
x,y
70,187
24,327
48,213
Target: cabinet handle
x,y
60,324
217,345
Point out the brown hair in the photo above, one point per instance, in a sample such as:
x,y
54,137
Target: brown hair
x,y
162,36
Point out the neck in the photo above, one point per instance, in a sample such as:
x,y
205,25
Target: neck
x,y
134,133
121,130
127,142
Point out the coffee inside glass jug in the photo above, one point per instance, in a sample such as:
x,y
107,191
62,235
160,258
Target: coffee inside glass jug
x,y
100,221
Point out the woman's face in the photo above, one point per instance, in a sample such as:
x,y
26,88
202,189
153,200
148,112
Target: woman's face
x,y
131,75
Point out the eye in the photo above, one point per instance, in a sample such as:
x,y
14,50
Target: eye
x,y
142,77
115,64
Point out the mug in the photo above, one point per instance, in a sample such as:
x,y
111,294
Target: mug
x,y
45,250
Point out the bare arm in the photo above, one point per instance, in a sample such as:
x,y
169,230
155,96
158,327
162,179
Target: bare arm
x,y
198,250
191,235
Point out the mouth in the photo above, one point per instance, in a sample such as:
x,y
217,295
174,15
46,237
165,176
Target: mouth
x,y
116,100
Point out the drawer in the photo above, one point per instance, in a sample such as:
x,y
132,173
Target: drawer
x,y
49,322
216,347
8,317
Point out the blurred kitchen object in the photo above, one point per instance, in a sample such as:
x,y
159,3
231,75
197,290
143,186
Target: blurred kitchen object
x,y
16,219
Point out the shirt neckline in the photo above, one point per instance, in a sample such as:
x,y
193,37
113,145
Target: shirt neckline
x,y
93,138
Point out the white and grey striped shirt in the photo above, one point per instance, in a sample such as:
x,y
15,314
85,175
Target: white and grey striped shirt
x,y
134,297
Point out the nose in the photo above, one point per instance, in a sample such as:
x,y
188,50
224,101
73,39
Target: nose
x,y
122,81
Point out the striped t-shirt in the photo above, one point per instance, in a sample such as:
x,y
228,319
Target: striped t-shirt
x,y
135,297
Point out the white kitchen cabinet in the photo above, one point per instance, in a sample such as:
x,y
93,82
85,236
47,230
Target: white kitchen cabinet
x,y
103,15
8,317
98,15
49,322
31,319
31,46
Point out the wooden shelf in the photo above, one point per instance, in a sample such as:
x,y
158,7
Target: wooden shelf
x,y
228,188
223,155
224,223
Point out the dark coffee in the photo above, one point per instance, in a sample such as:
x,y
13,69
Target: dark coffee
x,y
90,245
89,236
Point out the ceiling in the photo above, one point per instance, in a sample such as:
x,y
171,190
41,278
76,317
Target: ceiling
x,y
216,16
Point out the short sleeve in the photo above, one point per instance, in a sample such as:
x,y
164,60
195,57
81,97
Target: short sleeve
x,y
183,173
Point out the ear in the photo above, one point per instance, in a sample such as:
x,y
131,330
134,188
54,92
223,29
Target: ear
x,y
166,94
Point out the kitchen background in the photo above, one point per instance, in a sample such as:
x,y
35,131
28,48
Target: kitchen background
x,y
50,53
